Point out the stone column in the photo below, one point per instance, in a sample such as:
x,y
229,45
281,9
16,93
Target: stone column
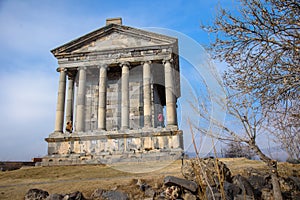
x,y
170,94
70,98
147,93
60,106
102,97
125,96
80,101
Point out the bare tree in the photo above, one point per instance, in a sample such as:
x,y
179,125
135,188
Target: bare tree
x,y
285,126
245,122
237,149
261,44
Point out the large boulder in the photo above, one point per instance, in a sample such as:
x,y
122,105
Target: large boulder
x,y
74,196
55,197
109,195
114,195
36,194
186,184
244,184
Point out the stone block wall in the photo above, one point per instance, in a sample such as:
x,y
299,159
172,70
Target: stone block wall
x,y
114,147
113,111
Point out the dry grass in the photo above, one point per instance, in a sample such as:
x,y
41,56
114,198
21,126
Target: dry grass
x,y
67,179
243,166
87,178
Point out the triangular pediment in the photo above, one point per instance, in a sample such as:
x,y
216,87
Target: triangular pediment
x,y
113,37
116,40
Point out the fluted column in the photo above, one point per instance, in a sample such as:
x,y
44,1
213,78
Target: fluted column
x,y
147,93
80,101
125,96
170,94
70,98
60,106
102,97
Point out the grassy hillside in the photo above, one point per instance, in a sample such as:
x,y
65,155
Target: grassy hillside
x,y
67,179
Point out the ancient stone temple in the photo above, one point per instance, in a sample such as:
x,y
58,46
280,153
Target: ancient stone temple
x,y
117,96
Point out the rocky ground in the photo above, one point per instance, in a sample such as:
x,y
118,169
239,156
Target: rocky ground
x,y
241,178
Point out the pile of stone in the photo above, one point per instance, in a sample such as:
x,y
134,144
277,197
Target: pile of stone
x,y
203,179
98,194
208,173
38,194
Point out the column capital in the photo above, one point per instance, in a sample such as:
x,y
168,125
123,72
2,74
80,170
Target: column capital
x,y
61,69
105,66
71,74
147,62
125,63
164,61
81,68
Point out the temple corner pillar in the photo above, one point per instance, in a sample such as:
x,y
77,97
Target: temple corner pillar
x,y
170,94
60,107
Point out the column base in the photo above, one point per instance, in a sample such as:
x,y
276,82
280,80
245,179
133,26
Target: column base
x,y
172,127
124,128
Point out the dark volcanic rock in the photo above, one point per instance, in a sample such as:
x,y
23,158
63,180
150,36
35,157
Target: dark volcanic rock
x,y
231,190
295,181
55,197
258,182
114,195
36,194
109,195
75,196
244,184
189,185
214,194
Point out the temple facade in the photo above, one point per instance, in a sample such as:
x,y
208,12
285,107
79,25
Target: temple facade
x,y
117,98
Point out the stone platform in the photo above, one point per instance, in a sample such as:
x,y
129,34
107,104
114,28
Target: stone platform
x,y
107,147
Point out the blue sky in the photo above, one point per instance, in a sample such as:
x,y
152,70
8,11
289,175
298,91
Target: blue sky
x,y
28,77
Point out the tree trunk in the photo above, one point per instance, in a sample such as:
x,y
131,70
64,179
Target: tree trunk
x,y
272,164
276,187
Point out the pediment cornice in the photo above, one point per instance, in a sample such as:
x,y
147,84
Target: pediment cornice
x,y
113,35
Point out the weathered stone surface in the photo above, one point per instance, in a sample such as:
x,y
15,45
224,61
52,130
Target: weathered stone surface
x,y
34,194
189,196
266,194
116,99
172,192
231,190
193,169
188,170
243,197
114,195
214,194
55,197
258,182
244,184
290,183
97,193
296,182
189,185
149,192
75,196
